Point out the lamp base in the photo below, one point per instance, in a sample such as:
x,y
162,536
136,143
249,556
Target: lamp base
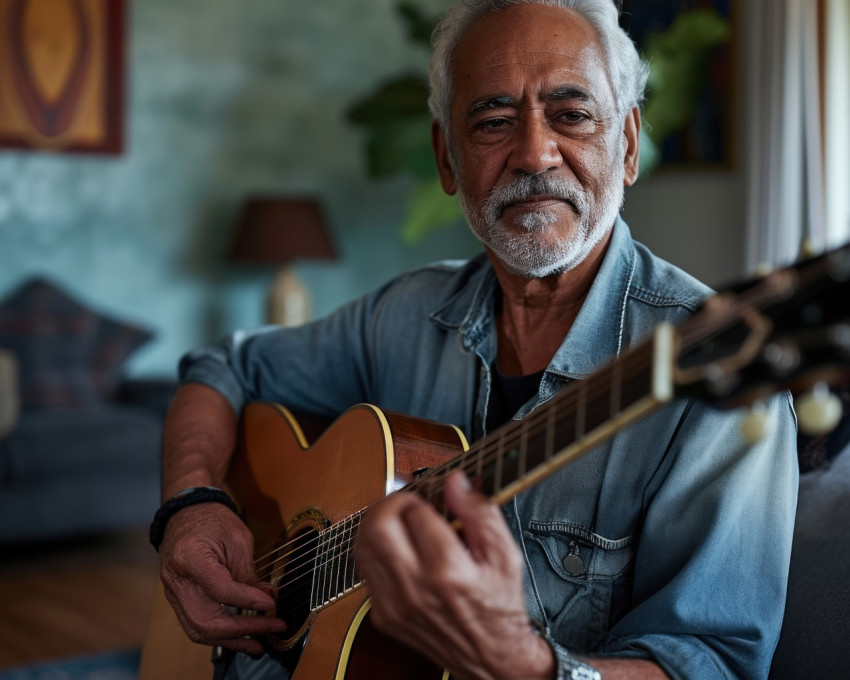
x,y
9,392
288,302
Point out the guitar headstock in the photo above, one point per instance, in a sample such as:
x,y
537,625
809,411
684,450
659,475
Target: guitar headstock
x,y
787,330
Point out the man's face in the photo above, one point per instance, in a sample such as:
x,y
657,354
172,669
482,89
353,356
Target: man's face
x,y
538,152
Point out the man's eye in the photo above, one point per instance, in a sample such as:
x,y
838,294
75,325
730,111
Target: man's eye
x,y
574,116
491,124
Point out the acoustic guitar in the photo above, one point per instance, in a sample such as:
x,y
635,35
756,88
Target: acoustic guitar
x,y
303,503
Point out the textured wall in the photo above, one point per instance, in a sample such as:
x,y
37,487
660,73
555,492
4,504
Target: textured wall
x,y
225,99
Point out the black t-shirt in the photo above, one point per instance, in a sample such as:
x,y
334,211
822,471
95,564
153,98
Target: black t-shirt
x,y
508,394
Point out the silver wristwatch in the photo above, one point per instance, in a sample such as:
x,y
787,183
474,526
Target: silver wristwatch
x,y
571,668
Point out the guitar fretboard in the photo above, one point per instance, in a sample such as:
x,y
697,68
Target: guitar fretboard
x,y
581,415
545,438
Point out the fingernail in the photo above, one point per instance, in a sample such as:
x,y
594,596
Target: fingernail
x,y
464,482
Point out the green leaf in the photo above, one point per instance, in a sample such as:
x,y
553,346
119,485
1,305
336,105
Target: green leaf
x,y
678,59
403,97
401,147
419,27
429,208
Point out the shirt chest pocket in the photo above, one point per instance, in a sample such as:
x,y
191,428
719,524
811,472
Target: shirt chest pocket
x,y
584,579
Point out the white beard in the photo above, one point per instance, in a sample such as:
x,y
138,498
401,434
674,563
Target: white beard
x,y
535,253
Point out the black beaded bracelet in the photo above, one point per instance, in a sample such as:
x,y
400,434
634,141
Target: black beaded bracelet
x,y
183,499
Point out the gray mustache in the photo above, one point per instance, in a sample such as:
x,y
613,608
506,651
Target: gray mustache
x,y
525,187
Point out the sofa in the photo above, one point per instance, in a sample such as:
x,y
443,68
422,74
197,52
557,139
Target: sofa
x,y
815,637
80,442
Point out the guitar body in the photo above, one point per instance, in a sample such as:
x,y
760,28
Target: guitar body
x,y
284,489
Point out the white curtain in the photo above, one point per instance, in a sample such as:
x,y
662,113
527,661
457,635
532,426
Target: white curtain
x,y
786,193
837,116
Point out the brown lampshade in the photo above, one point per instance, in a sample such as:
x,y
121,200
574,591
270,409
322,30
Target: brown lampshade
x,y
274,230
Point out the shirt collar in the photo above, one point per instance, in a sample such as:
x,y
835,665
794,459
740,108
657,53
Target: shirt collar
x,y
597,333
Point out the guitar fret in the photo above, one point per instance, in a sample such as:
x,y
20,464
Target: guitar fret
x,y
581,410
523,450
497,476
615,390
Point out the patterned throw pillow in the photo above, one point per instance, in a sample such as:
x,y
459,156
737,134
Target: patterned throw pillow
x,y
68,355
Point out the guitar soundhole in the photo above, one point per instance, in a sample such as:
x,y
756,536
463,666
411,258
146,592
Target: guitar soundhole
x,y
292,574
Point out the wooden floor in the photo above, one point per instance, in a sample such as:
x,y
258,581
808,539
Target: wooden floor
x,y
75,598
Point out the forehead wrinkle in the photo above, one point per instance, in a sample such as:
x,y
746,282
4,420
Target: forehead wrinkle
x,y
556,94
506,60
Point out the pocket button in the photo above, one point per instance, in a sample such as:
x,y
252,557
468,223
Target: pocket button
x,y
573,564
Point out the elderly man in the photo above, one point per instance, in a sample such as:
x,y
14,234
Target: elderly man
x,y
662,553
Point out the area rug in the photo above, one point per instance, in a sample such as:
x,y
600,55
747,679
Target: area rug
x,y
111,666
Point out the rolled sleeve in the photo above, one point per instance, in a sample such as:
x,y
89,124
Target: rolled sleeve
x,y
320,368
711,568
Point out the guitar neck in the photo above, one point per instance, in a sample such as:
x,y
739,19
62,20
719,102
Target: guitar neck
x,y
786,331
582,415
521,453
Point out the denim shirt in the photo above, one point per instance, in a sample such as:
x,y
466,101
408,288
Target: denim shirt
x,y
670,542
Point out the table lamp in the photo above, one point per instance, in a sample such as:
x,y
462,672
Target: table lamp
x,y
279,231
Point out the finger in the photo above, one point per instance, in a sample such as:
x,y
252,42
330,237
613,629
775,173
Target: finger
x,y
384,555
484,529
383,537
435,541
209,620
217,583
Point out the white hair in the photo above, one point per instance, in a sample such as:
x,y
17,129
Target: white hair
x,y
628,72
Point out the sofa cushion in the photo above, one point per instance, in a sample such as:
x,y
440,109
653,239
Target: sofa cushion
x,y
69,356
816,628
64,444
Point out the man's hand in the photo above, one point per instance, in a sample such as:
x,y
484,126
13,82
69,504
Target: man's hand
x,y
206,565
458,600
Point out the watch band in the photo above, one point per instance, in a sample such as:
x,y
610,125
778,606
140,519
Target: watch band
x,y
183,499
571,668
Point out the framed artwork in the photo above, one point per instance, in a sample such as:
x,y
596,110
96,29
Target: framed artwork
x,y
62,75
690,112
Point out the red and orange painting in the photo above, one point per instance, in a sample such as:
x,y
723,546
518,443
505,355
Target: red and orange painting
x,y
62,75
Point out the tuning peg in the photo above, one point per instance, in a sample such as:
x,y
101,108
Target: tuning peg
x,y
763,270
756,423
819,411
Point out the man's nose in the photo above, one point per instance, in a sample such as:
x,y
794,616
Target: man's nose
x,y
535,146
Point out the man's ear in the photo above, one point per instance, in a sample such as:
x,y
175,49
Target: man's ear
x,y
631,133
441,155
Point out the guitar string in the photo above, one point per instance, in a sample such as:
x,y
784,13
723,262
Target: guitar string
x,y
703,326
687,334
529,429
488,450
695,331
509,438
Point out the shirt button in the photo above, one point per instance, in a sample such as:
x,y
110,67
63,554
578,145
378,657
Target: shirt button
x,y
573,564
